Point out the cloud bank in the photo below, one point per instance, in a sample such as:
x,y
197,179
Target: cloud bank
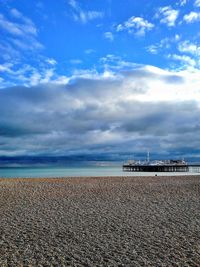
x,y
126,112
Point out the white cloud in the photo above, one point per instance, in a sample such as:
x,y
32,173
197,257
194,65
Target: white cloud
x,y
190,52
18,29
62,80
136,25
192,17
14,12
8,52
10,27
85,16
188,47
76,61
90,15
167,15
165,43
82,15
197,3
109,36
27,43
153,49
6,67
73,4
28,75
18,15
185,60
113,63
47,76
183,2
21,35
51,61
35,78
20,43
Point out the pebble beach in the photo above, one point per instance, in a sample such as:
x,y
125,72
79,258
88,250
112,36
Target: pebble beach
x,y
104,221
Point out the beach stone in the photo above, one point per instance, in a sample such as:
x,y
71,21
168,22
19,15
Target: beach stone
x,y
112,221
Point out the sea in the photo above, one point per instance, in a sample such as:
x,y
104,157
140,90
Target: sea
x,y
75,171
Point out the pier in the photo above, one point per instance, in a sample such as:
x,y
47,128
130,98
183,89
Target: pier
x,y
161,168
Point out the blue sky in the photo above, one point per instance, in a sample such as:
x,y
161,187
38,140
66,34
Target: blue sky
x,y
89,77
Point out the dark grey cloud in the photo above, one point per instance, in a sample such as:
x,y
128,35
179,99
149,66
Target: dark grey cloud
x,y
99,115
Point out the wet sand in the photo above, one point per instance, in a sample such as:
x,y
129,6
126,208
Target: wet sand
x,y
114,221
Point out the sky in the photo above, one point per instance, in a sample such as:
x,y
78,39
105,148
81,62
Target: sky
x,y
113,78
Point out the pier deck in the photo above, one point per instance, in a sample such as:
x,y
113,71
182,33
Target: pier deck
x,y
161,168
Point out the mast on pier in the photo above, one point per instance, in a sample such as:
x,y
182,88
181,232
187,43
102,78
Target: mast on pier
x,y
148,156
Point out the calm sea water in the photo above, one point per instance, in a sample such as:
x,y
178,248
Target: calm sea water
x,y
35,172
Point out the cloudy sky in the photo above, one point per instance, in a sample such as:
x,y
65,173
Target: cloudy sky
x,y
115,78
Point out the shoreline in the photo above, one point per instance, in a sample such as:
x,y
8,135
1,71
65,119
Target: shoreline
x,y
100,221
